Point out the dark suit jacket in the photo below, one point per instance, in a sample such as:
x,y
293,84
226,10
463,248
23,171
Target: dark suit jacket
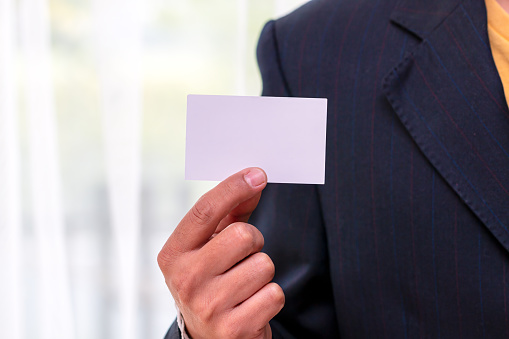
x,y
408,238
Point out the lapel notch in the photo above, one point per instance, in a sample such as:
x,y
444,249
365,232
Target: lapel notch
x,y
421,17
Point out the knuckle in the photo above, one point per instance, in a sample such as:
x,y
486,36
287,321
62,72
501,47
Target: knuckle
x,y
265,264
276,294
203,211
229,189
245,234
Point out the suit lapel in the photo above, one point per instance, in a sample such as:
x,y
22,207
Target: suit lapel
x,y
449,96
422,17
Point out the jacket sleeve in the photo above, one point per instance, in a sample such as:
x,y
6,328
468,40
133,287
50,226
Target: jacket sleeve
x,y
290,218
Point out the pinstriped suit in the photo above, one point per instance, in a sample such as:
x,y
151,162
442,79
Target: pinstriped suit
x,y
408,238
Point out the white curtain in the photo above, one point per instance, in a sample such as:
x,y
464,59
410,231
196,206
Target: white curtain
x,y
92,114
118,35
10,209
50,276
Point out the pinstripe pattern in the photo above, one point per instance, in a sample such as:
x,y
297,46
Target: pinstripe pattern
x,y
460,130
336,153
353,167
408,237
472,68
372,174
505,301
434,252
458,299
480,288
468,102
322,45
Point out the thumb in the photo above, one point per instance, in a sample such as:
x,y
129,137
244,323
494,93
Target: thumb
x,y
200,223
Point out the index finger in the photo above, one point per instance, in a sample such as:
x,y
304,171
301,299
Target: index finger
x,y
200,223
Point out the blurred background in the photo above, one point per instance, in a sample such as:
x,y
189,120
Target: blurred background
x,y
92,136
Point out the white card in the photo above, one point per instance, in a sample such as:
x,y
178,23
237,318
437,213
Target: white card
x,y
283,136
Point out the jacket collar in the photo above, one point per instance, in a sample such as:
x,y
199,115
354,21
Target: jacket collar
x,y
448,95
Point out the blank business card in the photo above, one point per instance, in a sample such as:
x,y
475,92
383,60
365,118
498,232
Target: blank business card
x,y
283,136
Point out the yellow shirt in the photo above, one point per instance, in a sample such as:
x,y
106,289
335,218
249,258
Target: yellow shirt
x,y
498,31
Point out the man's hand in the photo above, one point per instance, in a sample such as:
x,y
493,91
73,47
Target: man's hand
x,y
213,266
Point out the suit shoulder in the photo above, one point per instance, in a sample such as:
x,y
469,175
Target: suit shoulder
x,y
317,13
316,8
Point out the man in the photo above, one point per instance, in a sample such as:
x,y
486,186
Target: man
x,y
409,236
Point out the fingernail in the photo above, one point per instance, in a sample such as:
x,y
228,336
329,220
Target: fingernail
x,y
255,177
